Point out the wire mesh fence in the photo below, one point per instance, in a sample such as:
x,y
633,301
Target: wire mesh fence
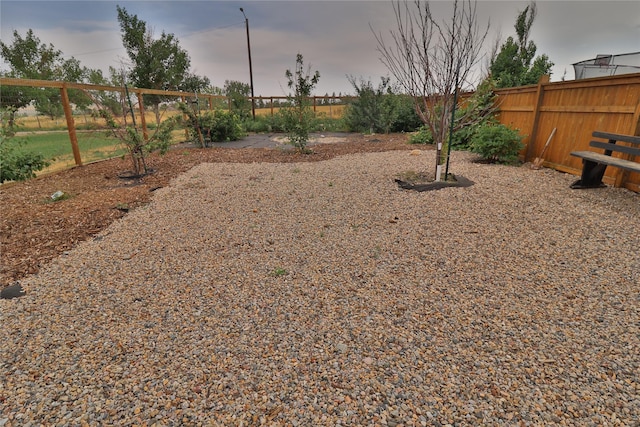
x,y
69,123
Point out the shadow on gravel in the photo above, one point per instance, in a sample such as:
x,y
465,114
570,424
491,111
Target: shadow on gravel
x,y
458,181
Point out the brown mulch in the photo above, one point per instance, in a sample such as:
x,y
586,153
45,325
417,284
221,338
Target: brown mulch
x,y
34,230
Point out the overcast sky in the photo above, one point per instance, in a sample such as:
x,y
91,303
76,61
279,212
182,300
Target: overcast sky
x,y
334,37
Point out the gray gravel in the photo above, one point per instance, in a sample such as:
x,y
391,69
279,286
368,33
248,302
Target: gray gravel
x,y
321,294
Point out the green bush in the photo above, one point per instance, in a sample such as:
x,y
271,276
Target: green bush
x,y
323,123
16,165
213,126
136,143
422,136
379,110
497,143
297,123
261,124
406,118
265,124
476,112
220,126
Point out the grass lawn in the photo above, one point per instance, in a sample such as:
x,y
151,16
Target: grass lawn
x,y
55,146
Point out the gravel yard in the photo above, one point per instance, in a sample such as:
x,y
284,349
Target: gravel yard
x,y
320,294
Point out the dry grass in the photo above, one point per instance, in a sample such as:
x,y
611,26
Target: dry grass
x,y
42,123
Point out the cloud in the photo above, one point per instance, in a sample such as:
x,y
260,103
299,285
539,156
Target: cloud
x,y
333,36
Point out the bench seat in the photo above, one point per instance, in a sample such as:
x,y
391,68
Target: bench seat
x,y
594,164
608,160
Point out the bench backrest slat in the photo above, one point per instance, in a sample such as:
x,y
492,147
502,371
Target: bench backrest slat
x,y
615,147
617,137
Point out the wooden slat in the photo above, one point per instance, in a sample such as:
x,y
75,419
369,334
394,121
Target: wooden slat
x,y
606,109
607,160
617,137
615,147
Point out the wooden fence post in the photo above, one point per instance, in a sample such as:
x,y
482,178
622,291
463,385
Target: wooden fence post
x,y
536,117
71,127
623,175
186,128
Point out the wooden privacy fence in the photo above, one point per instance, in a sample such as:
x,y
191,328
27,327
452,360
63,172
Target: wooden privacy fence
x,y
576,108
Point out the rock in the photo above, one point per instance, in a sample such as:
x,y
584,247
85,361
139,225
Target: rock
x,y
13,291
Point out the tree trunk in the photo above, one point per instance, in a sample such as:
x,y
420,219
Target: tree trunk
x,y
156,110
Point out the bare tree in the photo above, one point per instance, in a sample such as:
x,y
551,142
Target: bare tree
x,y
432,59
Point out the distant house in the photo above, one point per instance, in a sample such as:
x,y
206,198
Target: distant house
x,y
608,65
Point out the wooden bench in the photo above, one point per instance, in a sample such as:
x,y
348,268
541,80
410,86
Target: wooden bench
x,y
594,164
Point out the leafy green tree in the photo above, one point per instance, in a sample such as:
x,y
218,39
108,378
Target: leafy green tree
x,y
156,63
298,117
12,99
29,58
516,64
113,101
373,110
238,94
380,109
195,83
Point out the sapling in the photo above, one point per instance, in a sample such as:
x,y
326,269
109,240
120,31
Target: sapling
x,y
299,116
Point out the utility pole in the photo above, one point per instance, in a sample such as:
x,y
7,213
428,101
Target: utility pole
x,y
253,103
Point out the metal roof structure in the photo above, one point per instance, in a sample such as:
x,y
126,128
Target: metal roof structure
x,y
608,65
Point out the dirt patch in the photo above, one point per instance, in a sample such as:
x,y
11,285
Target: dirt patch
x,y
34,229
315,139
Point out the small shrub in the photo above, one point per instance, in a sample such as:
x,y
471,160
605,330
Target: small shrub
x,y
323,123
261,124
277,272
16,165
379,109
212,126
462,137
221,126
497,143
422,136
277,122
299,118
406,118
476,112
